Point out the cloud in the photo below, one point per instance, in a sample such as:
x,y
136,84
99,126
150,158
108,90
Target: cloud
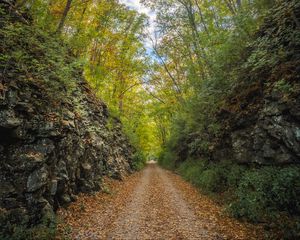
x,y
135,4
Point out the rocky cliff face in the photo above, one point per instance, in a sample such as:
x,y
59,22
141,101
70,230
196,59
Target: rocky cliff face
x,y
261,122
54,143
268,135
51,151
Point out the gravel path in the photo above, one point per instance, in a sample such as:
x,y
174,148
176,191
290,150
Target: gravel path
x,y
152,204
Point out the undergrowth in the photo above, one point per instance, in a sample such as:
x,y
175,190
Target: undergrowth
x,y
256,193
265,194
11,229
31,54
139,160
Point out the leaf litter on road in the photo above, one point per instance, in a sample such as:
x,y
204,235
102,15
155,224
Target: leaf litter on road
x,y
151,204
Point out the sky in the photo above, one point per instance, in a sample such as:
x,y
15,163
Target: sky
x,y
135,4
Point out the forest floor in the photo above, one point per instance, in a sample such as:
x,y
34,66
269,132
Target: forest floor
x,y
151,204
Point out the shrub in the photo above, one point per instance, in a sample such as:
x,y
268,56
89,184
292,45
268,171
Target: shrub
x,y
208,177
259,195
32,54
210,180
264,193
15,231
234,175
252,193
286,190
221,176
166,160
192,169
139,160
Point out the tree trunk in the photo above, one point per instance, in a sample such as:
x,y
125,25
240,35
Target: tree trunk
x,y
202,18
64,16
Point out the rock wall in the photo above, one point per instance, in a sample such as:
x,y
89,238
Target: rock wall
x,y
55,141
261,118
268,136
49,151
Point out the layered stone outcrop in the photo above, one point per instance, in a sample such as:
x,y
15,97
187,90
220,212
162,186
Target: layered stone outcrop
x,y
56,137
50,151
260,119
268,135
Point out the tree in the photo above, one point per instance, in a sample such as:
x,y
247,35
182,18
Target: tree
x,y
64,16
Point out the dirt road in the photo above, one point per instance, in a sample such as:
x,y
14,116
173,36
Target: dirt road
x,y
152,204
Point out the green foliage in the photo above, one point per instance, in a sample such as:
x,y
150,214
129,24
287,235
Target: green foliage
x,y
211,177
202,62
191,170
35,55
258,195
167,105
166,160
139,160
251,193
234,175
210,180
106,190
286,190
40,232
283,86
11,229
252,44
103,42
264,193
243,45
